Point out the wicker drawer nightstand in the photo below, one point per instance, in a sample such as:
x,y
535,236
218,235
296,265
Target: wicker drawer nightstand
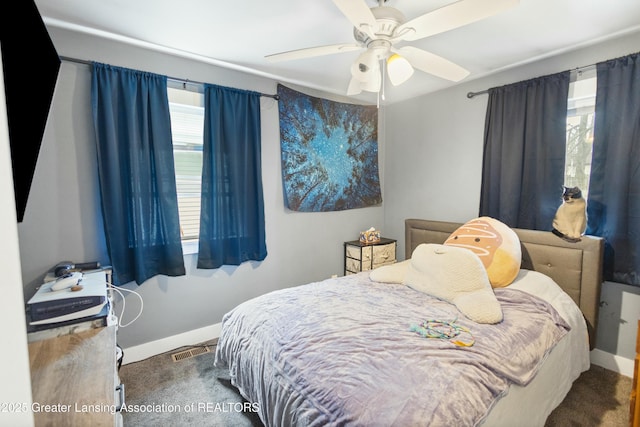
x,y
359,256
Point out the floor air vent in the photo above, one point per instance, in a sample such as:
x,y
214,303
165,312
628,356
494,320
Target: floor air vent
x,y
188,354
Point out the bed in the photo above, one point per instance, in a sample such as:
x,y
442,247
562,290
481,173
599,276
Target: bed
x,y
346,351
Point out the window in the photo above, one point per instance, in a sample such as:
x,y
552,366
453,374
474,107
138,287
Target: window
x,y
187,124
580,116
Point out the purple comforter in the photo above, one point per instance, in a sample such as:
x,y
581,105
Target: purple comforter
x,y
340,352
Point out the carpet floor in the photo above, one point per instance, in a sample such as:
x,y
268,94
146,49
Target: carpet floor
x,y
161,392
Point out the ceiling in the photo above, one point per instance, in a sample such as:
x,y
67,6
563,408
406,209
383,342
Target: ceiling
x,y
240,33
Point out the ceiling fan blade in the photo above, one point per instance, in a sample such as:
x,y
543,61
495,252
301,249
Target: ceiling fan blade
x,y
451,16
358,13
313,51
432,64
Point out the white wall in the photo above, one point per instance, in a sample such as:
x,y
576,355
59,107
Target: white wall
x,y
618,319
63,220
14,360
434,166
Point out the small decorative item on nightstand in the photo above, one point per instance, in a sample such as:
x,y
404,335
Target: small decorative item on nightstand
x,y
370,236
360,256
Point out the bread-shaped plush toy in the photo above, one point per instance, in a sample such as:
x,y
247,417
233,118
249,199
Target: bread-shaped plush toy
x,y
454,275
497,246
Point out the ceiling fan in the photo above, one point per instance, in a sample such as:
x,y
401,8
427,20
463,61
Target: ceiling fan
x,y
378,29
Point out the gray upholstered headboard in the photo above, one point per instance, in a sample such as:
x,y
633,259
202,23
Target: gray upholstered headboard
x,y
576,267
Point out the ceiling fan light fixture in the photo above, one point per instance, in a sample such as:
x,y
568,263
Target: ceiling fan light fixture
x,y
365,72
374,82
355,87
399,69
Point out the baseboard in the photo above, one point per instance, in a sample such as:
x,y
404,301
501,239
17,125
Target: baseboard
x,y
149,349
612,362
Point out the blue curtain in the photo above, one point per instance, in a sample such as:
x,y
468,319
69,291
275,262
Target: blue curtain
x,y
232,228
136,173
524,152
613,208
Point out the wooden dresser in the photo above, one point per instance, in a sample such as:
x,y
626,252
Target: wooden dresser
x,y
360,256
74,379
634,412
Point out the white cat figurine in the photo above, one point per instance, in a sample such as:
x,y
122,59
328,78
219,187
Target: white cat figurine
x,y
570,221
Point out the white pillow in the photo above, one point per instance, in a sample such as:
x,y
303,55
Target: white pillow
x,y
543,286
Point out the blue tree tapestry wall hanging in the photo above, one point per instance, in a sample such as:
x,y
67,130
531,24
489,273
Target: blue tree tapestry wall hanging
x,y
329,153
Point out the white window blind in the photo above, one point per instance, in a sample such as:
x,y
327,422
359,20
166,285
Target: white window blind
x,y
580,117
187,125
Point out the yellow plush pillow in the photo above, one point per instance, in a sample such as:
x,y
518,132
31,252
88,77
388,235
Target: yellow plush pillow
x,y
497,245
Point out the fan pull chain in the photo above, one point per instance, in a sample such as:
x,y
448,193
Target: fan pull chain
x,y
382,71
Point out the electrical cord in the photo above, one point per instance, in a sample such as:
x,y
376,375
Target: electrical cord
x,y
119,292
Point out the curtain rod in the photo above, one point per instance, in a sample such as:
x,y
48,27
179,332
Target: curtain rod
x,y
472,94
183,81
577,69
